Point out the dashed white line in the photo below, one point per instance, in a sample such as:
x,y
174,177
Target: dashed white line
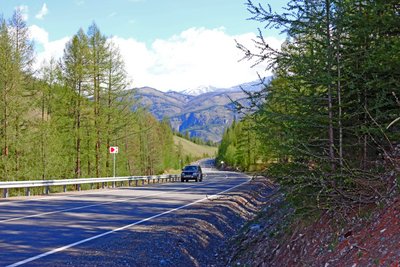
x,y
95,205
117,229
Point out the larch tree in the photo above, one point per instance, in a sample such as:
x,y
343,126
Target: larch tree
x,y
75,73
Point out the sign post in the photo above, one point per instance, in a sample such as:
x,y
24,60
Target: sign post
x,y
113,150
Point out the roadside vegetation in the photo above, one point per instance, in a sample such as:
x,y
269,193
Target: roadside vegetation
x,y
59,121
189,151
326,131
326,127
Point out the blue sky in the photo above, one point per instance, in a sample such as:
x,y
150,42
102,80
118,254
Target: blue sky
x,y
165,43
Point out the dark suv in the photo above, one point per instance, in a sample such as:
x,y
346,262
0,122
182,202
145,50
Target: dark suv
x,y
192,172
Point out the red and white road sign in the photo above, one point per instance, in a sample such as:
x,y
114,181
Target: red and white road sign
x,y
113,150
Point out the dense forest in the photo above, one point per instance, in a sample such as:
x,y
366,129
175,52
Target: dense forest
x,y
60,120
327,126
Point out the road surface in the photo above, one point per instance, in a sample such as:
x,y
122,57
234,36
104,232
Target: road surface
x,y
35,231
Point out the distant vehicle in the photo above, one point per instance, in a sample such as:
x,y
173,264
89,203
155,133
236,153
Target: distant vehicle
x,y
192,172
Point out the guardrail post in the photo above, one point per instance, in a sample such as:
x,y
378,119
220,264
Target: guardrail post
x,y
79,187
91,186
5,192
28,191
65,188
47,190
113,184
130,183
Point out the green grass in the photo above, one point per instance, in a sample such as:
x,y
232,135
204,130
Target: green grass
x,y
195,150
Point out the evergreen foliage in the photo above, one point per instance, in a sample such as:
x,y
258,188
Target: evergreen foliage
x,y
322,127
60,122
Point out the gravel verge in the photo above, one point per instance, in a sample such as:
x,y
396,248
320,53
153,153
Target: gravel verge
x,y
195,236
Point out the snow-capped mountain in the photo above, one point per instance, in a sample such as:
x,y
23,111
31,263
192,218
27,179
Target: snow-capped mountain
x,y
249,87
199,90
203,112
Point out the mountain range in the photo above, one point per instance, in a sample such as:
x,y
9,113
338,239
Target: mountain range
x,y
204,112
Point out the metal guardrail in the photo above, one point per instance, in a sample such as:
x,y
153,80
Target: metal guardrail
x,y
6,186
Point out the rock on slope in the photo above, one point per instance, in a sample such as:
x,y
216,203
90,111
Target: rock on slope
x,y
370,241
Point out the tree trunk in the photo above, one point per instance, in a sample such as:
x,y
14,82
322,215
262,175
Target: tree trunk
x,y
329,85
43,156
78,172
339,95
89,165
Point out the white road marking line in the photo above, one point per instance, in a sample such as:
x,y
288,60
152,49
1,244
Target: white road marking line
x,y
98,204
118,229
51,197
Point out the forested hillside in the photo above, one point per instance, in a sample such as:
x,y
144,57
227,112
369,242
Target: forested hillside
x,y
190,151
328,128
59,121
203,116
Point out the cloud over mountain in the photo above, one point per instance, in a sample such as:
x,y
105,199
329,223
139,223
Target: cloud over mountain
x,y
195,57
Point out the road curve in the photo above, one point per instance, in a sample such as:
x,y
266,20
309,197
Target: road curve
x,y
35,231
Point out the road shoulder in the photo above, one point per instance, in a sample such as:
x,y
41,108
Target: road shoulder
x,y
194,236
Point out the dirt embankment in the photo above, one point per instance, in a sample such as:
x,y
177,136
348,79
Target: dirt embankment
x,y
372,239
250,227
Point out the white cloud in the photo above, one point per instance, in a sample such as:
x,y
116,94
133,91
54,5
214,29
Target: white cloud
x,y
43,12
51,49
24,11
195,57
38,34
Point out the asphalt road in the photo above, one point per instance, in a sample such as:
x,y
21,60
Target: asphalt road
x,y
38,230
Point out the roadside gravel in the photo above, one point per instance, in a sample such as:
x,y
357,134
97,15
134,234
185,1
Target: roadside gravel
x,y
195,236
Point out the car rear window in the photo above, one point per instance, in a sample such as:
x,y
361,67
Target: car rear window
x,y
190,168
